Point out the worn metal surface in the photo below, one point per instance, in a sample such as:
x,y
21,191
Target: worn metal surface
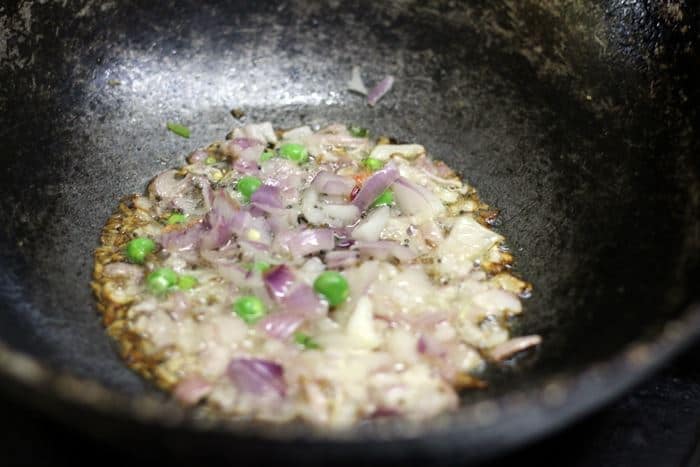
x,y
575,119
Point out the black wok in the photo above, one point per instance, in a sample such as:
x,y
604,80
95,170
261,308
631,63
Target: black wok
x,y
576,119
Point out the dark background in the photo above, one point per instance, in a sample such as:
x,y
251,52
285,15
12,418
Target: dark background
x,y
657,424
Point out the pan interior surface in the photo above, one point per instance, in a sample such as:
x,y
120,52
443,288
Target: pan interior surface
x,y
578,138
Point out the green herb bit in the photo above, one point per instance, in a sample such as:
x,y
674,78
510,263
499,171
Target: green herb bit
x,y
178,129
305,341
211,160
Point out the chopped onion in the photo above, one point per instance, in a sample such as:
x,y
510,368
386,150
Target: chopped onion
x,y
329,183
222,220
257,376
169,185
260,131
205,187
279,281
297,135
383,249
282,324
371,227
341,258
428,345
415,200
510,347
310,241
197,156
380,90
183,239
383,152
247,167
375,186
302,299
267,198
356,84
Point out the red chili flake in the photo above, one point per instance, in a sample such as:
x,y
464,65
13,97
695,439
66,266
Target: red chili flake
x,y
354,192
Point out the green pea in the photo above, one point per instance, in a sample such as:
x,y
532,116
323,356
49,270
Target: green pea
x,y
248,185
249,308
333,286
384,199
187,282
211,160
305,341
161,280
294,152
373,164
138,248
261,266
267,155
177,218
358,131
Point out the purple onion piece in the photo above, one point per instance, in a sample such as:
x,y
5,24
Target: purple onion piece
x,y
375,186
257,376
184,239
341,258
303,300
410,198
282,324
267,198
332,184
245,143
310,241
246,167
222,221
279,281
380,90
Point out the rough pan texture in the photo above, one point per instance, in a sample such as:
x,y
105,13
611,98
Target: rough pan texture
x,y
323,275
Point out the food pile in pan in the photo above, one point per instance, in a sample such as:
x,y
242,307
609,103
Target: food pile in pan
x,y
326,275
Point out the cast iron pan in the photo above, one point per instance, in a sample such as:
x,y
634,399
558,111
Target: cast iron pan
x,y
574,118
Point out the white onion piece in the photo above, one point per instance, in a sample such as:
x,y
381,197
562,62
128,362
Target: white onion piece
x,y
383,249
383,152
468,240
341,258
297,135
356,84
377,92
328,183
282,324
310,241
510,347
371,227
360,326
415,200
260,131
340,215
